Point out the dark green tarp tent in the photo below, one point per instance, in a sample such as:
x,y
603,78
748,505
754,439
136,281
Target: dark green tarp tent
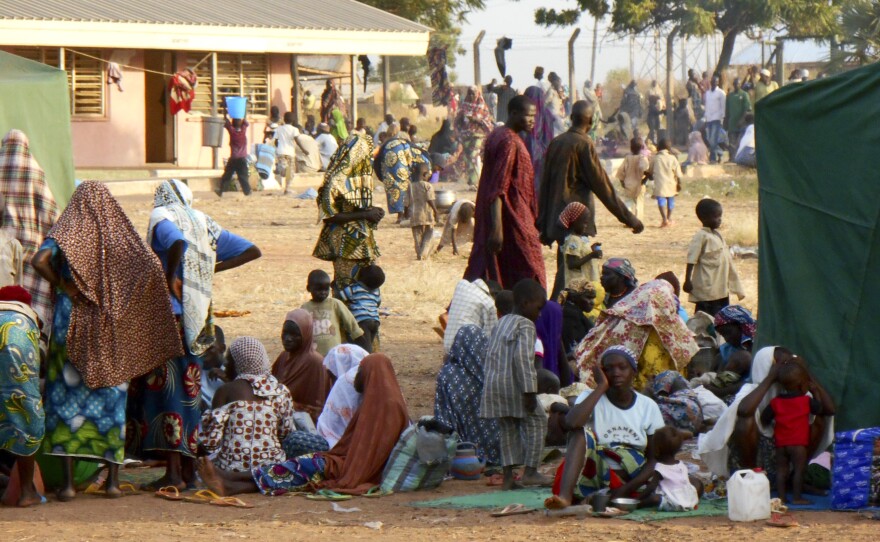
x,y
818,149
34,99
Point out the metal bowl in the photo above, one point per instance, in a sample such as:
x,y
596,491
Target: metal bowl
x,y
625,504
444,198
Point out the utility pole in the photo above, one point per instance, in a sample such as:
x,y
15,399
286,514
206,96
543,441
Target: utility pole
x,y
684,58
670,82
595,44
632,57
386,80
572,89
477,57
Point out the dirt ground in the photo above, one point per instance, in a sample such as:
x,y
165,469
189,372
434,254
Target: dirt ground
x,y
415,294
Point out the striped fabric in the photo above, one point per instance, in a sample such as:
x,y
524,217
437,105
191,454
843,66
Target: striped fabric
x,y
509,370
362,302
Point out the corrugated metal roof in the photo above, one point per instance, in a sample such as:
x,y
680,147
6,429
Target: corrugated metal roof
x,y
293,14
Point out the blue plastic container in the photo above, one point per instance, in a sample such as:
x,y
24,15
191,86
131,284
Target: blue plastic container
x,y
236,106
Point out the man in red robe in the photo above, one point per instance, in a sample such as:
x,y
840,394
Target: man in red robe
x,y
507,247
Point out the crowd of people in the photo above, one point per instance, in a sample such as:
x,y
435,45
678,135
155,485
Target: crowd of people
x,y
110,351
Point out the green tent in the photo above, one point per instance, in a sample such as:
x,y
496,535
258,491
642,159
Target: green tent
x,y
817,146
34,99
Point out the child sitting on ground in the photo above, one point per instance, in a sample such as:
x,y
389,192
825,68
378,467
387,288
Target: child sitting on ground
x,y
577,300
555,407
581,257
670,487
511,387
727,383
790,410
363,299
213,368
666,172
423,211
330,316
710,276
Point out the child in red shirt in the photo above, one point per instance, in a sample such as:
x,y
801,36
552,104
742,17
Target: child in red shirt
x,y
791,411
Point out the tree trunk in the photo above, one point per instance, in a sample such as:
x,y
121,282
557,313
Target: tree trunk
x,y
726,50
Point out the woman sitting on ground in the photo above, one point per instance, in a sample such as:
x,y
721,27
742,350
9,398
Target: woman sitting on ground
x,y
736,325
342,361
619,280
460,389
300,367
251,415
647,322
610,433
740,441
353,466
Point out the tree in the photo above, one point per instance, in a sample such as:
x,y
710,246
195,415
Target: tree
x,y
798,19
444,16
859,35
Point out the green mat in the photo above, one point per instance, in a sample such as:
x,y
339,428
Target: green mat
x,y
534,498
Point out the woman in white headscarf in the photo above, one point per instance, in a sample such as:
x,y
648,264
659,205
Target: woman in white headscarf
x,y
740,440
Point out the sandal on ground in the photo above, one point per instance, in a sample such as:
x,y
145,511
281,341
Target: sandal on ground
x,y
512,510
328,495
169,493
376,491
782,520
234,502
202,496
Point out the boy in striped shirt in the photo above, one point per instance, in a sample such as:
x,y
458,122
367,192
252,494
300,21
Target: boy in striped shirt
x,y
363,300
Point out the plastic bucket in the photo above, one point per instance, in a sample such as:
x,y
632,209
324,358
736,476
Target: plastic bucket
x,y
212,131
236,106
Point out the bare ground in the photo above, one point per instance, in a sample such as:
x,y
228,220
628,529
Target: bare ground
x,y
415,293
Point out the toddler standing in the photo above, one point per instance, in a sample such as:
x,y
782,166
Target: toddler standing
x,y
423,212
632,175
363,299
581,257
710,276
666,172
511,386
330,317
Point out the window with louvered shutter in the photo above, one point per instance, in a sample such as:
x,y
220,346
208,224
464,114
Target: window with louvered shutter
x,y
237,75
86,78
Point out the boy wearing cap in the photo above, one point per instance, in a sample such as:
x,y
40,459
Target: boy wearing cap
x,y
765,85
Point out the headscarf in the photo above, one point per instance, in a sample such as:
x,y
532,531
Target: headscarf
x,y
249,356
460,389
620,350
624,268
339,130
736,314
173,202
548,327
443,141
125,327
651,306
30,213
474,114
303,371
679,408
343,362
355,464
542,133
571,213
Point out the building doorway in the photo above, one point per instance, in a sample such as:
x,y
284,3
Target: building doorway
x,y
158,122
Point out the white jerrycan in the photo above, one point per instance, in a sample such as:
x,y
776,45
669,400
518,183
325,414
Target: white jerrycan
x,y
748,496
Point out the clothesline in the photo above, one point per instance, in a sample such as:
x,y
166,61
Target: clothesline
x,y
135,67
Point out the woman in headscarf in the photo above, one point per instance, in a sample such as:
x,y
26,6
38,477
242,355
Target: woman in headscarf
x,y
618,279
22,421
345,200
393,166
330,99
300,367
736,325
548,327
342,362
739,440
251,415
647,323
542,133
460,389
473,123
337,123
353,465
29,214
444,149
112,322
192,247
677,401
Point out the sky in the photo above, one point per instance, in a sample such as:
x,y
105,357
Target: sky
x,y
548,47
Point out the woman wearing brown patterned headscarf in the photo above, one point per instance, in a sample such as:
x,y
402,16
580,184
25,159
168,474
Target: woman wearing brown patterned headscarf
x,y
112,322
300,367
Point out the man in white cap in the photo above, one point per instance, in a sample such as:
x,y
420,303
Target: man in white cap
x,y
765,85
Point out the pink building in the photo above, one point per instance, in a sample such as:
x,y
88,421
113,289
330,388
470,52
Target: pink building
x,y
236,48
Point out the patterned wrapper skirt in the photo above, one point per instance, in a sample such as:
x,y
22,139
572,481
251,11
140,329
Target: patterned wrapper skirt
x,y
22,422
297,474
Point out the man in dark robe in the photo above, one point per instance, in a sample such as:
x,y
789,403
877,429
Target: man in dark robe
x,y
573,172
506,247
